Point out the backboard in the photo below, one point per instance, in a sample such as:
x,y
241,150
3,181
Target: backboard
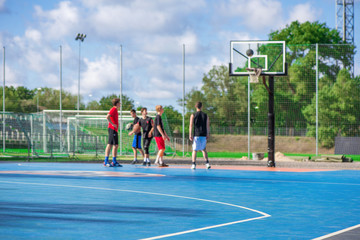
x,y
267,55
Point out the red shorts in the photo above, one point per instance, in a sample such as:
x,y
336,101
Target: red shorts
x,y
160,143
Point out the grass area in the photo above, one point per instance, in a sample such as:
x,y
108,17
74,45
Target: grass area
x,y
215,154
22,154
242,154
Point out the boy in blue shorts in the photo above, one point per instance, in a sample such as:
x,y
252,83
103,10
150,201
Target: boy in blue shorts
x,y
136,145
200,122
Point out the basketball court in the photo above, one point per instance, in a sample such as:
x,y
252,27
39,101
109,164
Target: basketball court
x,y
89,201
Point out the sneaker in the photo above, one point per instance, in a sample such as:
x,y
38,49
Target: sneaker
x,y
193,166
133,162
116,164
149,164
163,165
144,163
107,165
208,166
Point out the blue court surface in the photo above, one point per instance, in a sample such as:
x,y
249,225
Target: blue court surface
x,y
89,201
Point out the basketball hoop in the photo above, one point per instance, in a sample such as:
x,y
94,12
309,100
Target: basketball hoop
x,y
254,74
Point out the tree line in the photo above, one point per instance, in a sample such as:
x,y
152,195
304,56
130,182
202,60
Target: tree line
x,y
23,100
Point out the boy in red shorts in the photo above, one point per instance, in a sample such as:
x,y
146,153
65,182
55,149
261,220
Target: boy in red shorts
x,y
160,136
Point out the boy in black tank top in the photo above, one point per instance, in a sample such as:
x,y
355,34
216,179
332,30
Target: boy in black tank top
x,y
200,122
147,125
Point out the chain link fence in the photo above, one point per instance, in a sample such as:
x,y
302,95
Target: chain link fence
x,y
317,102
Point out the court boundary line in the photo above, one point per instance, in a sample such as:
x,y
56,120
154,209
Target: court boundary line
x,y
337,232
264,215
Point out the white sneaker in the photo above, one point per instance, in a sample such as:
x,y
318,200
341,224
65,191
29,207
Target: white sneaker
x,y
208,166
193,166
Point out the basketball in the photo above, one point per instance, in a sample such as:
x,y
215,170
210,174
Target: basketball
x,y
129,126
136,128
249,52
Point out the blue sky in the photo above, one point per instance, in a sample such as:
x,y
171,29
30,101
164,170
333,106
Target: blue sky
x,y
151,33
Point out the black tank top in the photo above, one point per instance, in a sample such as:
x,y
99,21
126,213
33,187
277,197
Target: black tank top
x,y
146,126
200,124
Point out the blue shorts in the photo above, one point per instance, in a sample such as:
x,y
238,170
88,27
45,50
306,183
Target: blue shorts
x,y
137,141
199,143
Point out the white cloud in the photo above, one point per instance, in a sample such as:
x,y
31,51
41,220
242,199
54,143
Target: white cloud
x,y
304,12
58,22
12,77
33,35
2,5
111,19
256,15
158,93
34,54
99,75
169,44
236,35
123,20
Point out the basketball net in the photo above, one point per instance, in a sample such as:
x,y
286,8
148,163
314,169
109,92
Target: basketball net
x,y
254,74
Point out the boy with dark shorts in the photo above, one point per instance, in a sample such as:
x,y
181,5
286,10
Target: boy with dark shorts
x,y
136,145
201,124
113,126
160,136
147,125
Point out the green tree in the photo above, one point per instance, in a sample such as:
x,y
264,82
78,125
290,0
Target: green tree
x,y
295,91
18,99
24,94
126,102
300,36
224,98
93,105
306,33
174,119
339,110
50,99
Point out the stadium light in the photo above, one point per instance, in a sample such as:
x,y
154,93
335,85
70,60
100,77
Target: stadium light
x,y
80,37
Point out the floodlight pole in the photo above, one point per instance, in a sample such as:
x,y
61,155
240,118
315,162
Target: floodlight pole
x,y
271,125
60,76
183,103
3,117
80,37
121,104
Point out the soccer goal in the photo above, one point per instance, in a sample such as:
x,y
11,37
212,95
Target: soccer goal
x,y
85,131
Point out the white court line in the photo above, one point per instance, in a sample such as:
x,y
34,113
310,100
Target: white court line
x,y
264,215
337,233
204,228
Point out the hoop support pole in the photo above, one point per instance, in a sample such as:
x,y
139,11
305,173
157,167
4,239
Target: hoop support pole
x,y
271,125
